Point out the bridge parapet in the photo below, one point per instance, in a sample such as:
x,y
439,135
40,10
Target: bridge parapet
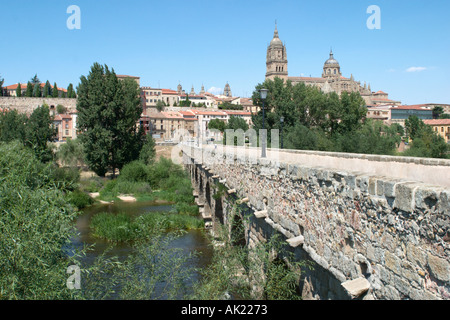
x,y
355,224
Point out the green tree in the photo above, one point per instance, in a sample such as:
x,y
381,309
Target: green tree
x,y
437,111
413,126
37,93
38,132
55,92
35,80
217,124
108,112
428,144
19,90
148,151
160,106
29,92
47,91
71,92
12,126
71,153
351,113
185,103
61,109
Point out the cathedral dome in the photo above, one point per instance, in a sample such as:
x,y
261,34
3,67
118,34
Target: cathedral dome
x,y
331,60
276,40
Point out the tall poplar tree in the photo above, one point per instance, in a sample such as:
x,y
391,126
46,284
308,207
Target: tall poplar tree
x,y
108,112
19,90
37,90
29,92
47,92
55,92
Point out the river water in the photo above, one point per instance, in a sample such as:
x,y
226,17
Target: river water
x,y
191,241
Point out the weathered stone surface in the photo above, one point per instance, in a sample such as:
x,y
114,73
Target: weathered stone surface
x,y
357,287
439,267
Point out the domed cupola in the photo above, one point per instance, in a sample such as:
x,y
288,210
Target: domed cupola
x,y
331,68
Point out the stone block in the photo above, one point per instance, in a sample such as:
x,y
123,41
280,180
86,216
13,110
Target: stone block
x,y
416,255
404,196
356,288
439,267
427,197
295,242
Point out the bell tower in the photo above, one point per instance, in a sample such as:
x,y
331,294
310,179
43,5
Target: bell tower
x,y
276,60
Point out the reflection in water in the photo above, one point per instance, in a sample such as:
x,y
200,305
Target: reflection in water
x,y
191,241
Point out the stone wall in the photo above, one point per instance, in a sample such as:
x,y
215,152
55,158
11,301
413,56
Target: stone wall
x,y
27,105
370,237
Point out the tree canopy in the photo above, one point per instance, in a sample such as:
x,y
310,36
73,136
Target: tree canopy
x,y
108,112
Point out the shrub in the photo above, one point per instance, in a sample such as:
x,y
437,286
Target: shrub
x,y
135,171
79,199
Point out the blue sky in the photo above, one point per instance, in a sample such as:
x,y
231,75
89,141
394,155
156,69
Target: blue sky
x,y
211,42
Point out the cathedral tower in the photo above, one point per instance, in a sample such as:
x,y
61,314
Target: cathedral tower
x,y
227,91
276,61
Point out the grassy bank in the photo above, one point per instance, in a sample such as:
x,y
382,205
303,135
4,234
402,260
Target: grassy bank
x,y
161,181
122,227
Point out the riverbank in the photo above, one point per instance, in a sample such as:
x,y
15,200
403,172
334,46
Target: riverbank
x,y
162,182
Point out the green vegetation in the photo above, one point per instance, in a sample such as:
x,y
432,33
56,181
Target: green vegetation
x,y
266,271
35,224
229,106
19,90
314,120
33,132
425,142
122,227
108,110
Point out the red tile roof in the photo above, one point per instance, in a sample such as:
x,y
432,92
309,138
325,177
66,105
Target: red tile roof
x,y
240,113
24,86
169,91
438,122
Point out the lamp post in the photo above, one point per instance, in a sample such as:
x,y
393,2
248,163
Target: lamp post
x,y
281,133
263,94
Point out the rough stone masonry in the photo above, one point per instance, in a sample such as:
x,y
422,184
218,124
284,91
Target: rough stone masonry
x,y
370,237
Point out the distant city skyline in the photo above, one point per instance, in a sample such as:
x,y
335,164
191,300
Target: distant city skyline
x,y
209,43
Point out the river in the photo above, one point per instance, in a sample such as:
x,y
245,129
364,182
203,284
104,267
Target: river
x,y
191,241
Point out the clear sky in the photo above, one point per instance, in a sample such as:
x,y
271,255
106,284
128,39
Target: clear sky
x,y
210,42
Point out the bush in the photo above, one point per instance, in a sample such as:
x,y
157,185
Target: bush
x,y
66,178
79,199
135,171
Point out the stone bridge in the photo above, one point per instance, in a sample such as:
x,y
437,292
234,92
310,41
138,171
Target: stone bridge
x,y
375,227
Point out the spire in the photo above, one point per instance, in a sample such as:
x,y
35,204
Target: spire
x,y
275,34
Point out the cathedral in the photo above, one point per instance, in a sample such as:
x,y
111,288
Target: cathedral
x,y
331,80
